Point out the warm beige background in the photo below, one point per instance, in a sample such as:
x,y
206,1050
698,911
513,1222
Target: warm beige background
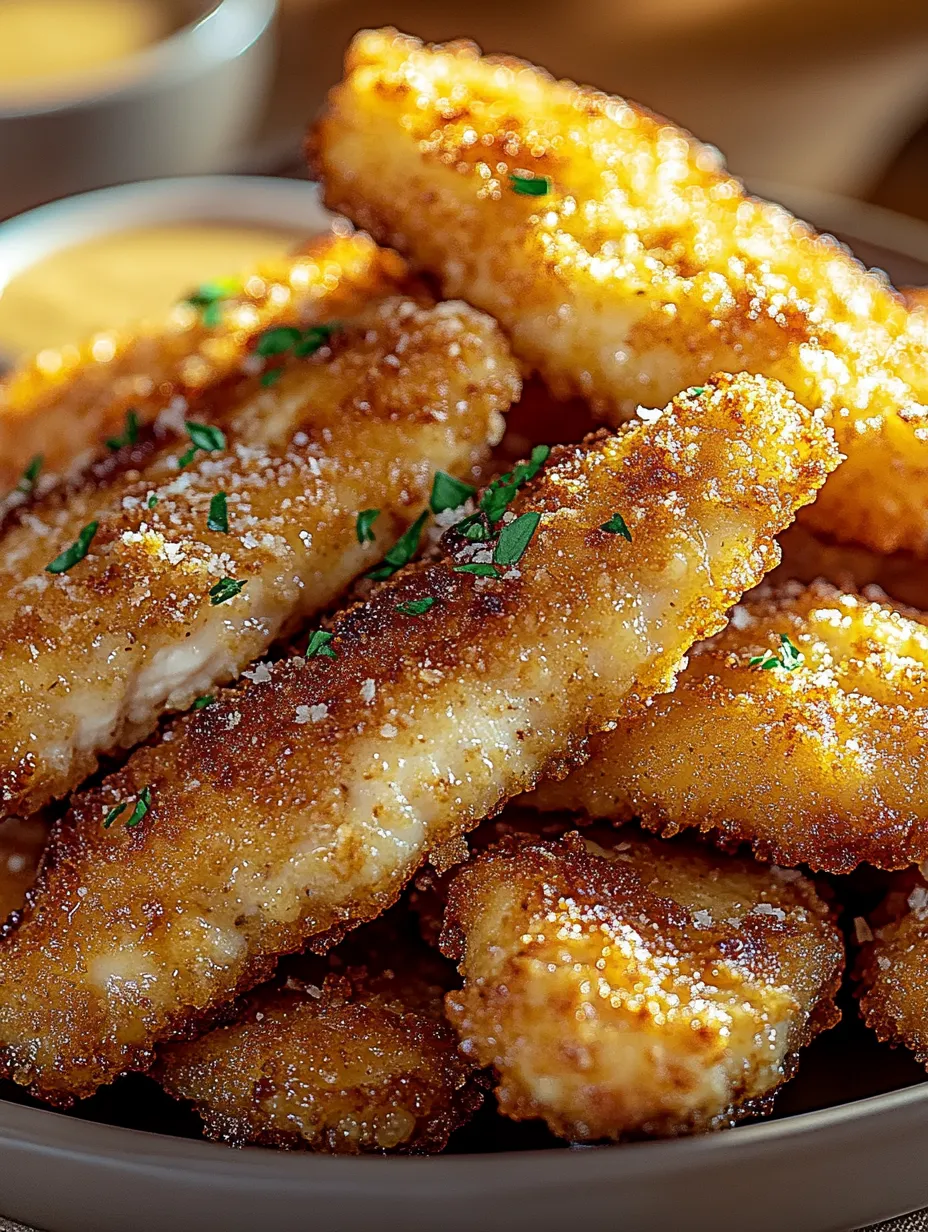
x,y
816,92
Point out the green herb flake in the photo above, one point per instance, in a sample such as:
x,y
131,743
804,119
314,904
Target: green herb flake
x,y
364,524
130,434
402,551
152,501
27,482
789,657
218,519
319,646
449,493
142,805
315,338
415,607
496,498
616,526
114,812
696,390
76,552
209,299
277,341
205,437
477,570
515,538
225,589
529,185
271,376
202,702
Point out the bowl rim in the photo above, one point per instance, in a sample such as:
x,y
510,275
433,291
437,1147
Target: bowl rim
x,y
223,31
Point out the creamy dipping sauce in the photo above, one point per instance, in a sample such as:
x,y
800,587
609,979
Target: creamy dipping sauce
x,y
127,276
50,46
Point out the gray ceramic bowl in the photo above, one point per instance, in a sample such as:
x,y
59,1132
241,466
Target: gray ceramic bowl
x,y
847,1145
186,105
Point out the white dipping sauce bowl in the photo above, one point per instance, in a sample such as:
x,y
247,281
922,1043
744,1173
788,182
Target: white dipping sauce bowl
x,y
185,105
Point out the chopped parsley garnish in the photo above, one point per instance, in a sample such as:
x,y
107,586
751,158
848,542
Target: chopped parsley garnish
x,y
498,495
152,501
514,539
529,185
319,645
142,805
449,493
27,482
616,526
205,437
218,519
696,390
315,338
363,525
478,570
271,376
206,700
415,607
286,339
76,552
789,657
225,589
278,341
402,551
208,298
130,434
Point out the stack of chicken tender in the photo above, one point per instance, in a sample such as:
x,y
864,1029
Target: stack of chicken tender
x,y
369,752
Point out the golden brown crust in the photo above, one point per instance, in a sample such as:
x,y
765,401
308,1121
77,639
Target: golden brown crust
x,y
301,803
64,404
622,986
892,969
642,270
347,1055
22,843
93,657
822,765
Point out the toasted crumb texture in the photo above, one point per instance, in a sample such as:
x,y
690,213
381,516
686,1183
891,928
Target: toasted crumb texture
x,y
820,764
892,968
643,267
347,1055
94,656
301,803
21,845
621,986
64,404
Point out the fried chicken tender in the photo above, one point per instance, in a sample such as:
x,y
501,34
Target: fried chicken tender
x,y
892,968
818,761
62,405
622,986
300,804
22,843
623,263
94,656
351,1055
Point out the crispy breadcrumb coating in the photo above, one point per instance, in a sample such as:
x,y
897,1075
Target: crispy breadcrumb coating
x,y
892,968
300,804
622,986
624,263
62,405
94,656
347,1055
821,763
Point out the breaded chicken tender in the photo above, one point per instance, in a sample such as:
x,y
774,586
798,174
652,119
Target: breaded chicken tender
x,y
176,595
61,406
621,986
300,804
622,261
350,1054
800,729
22,842
892,968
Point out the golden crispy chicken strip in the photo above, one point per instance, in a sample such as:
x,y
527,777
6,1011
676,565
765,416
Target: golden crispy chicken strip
x,y
346,1055
22,842
302,803
61,406
892,968
622,986
623,262
176,593
800,729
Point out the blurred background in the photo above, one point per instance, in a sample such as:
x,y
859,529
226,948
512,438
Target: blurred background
x,y
803,97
